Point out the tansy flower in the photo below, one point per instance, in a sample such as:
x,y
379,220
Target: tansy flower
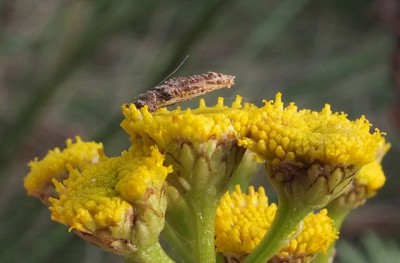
x,y
118,203
178,126
310,157
202,146
53,166
193,140
310,154
243,219
280,134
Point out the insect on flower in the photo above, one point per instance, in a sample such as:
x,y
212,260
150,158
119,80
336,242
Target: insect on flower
x,y
180,89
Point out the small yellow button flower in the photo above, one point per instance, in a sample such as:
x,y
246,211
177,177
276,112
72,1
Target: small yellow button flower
x,y
165,127
281,134
53,166
201,144
243,219
117,203
309,154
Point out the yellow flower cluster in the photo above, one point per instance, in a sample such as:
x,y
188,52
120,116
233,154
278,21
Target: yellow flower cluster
x,y
281,133
166,127
317,234
311,157
243,219
101,196
53,166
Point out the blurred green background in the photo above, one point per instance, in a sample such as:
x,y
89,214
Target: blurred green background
x,y
67,66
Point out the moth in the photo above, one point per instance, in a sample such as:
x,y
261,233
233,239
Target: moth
x,y
181,89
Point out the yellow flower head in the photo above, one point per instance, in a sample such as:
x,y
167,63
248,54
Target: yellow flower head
x,y
243,219
77,154
201,144
372,175
165,127
311,157
118,202
284,134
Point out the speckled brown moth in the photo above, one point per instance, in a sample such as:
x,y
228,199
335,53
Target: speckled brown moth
x,y
180,89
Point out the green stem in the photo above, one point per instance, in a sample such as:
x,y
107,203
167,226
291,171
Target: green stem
x,y
288,216
202,206
154,253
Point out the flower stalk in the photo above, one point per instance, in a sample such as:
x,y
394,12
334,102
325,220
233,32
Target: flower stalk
x,y
201,176
300,190
287,219
202,207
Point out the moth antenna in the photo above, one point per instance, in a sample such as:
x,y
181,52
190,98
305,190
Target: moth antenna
x,y
175,70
